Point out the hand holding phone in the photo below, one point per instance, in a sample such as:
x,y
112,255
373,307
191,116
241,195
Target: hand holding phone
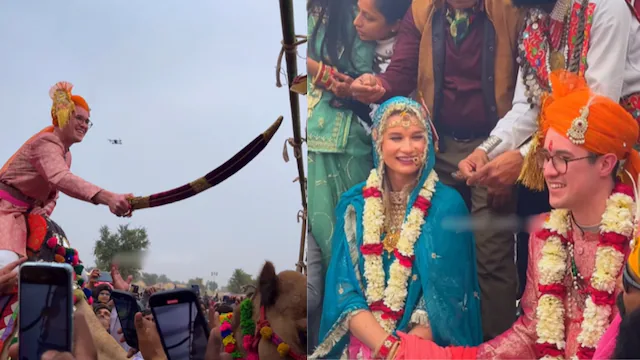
x,y
46,308
126,307
82,338
9,277
181,324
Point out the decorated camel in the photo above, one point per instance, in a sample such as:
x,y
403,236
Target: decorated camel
x,y
271,323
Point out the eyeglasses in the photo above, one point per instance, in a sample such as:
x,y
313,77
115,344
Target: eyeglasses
x,y
628,281
559,163
83,120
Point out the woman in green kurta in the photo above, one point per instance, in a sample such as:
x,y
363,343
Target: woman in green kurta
x,y
339,146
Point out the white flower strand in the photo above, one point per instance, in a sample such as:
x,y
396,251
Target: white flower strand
x,y
396,292
618,218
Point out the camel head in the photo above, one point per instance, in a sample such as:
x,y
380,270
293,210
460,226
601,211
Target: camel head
x,y
278,308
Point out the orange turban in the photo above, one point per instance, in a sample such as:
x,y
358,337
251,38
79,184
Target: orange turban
x,y
80,101
63,105
592,121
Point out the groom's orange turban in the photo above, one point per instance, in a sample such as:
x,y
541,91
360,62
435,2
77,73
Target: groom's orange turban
x,y
592,121
63,105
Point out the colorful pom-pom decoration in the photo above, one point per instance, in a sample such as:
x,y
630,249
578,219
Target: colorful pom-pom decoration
x,y
266,332
37,231
81,282
229,348
283,349
52,242
87,293
228,340
247,342
59,259
75,260
78,269
69,253
90,300
60,251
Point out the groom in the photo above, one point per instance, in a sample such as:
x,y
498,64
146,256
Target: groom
x,y
584,141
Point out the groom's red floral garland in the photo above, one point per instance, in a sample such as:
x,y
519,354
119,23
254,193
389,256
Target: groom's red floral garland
x,y
616,231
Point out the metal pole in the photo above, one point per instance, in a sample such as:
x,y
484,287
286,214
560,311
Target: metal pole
x,y
289,38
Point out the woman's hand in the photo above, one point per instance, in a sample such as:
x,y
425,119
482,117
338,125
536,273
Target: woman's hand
x,y
341,85
423,332
367,89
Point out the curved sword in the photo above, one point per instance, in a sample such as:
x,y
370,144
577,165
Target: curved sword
x,y
213,178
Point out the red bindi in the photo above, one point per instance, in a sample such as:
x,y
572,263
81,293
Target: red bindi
x,y
551,145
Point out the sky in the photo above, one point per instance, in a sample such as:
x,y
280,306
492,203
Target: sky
x,y
184,87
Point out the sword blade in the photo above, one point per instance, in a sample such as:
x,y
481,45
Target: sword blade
x,y
213,178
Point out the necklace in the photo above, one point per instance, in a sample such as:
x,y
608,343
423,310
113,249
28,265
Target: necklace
x,y
387,303
393,220
616,230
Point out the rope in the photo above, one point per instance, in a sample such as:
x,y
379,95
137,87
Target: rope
x,y
289,49
297,149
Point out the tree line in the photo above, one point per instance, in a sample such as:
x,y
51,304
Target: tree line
x,y
126,246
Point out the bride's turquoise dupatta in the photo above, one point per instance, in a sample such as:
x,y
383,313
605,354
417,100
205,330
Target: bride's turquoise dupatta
x,y
443,285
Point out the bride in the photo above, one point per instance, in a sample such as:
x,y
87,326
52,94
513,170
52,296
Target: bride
x,y
398,263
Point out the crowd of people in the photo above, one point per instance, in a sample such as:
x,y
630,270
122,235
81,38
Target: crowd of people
x,y
102,306
106,312
441,134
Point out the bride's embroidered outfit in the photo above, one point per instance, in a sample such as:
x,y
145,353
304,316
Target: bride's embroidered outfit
x,y
400,257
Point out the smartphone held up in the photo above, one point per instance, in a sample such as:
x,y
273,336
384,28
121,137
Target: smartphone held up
x,y
45,296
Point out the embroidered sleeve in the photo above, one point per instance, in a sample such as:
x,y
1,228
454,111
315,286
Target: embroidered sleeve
x,y
608,45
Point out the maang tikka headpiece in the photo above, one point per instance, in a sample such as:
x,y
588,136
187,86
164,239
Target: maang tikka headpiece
x,y
410,113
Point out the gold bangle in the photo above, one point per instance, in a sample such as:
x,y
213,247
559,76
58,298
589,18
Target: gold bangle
x,y
393,351
321,69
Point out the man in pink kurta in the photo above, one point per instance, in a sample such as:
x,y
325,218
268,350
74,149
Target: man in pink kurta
x,y
584,142
31,180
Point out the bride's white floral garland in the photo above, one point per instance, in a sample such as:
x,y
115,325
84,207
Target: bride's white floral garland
x,y
616,230
387,305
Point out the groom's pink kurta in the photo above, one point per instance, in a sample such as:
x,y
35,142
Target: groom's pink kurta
x,y
518,342
33,179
